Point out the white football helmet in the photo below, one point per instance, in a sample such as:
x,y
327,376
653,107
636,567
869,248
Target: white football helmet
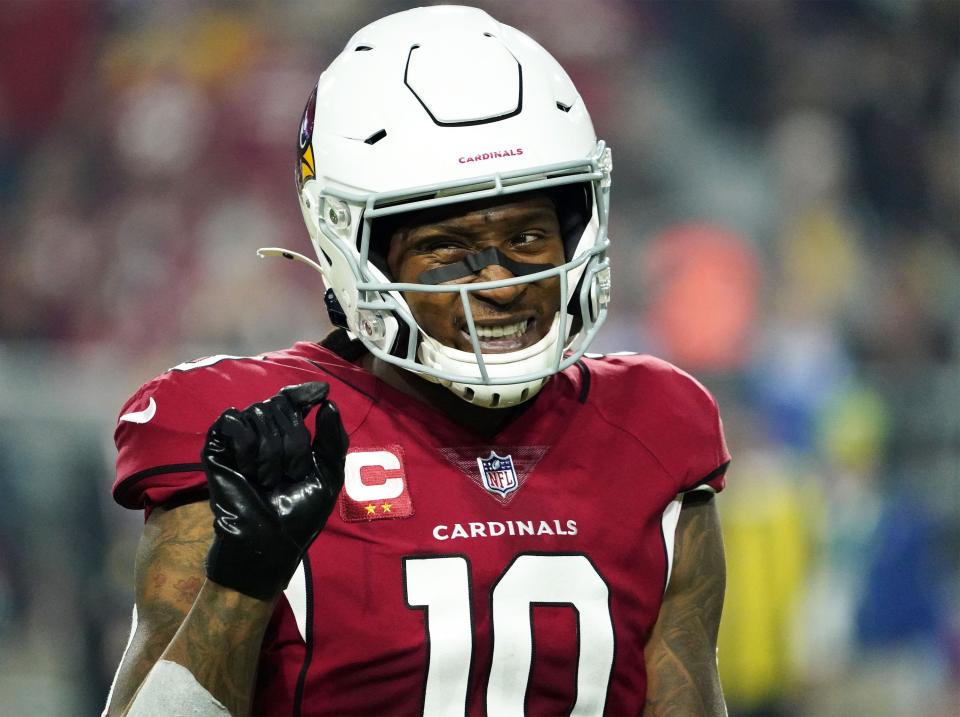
x,y
442,105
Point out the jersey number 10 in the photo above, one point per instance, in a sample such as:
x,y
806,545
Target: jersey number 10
x,y
442,586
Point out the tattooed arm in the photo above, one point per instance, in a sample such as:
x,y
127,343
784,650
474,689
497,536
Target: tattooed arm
x,y
206,587
213,631
682,678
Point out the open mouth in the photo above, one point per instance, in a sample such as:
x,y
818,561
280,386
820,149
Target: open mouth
x,y
505,337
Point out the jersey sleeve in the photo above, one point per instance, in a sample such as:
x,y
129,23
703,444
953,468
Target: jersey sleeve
x,y
672,414
709,457
159,436
162,428
696,450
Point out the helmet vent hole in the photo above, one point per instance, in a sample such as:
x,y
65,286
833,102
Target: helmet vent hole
x,y
495,400
523,394
562,107
487,34
362,48
376,136
468,393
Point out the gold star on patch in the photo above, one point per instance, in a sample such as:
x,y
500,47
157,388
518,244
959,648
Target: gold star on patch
x,y
370,508
386,507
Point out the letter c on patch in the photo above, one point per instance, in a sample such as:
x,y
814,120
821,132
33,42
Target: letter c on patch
x,y
353,484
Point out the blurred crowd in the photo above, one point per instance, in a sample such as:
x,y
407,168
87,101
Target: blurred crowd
x,y
786,226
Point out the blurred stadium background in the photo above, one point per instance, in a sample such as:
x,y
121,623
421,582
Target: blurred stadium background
x,y
786,212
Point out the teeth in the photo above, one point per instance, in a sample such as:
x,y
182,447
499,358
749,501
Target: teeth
x,y
509,331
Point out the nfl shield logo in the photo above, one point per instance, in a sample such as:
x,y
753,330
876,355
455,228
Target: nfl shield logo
x,y
498,474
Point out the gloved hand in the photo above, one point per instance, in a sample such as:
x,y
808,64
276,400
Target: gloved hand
x,y
271,489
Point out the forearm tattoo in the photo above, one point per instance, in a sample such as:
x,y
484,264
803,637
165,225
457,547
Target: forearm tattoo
x,y
681,656
168,576
215,633
220,643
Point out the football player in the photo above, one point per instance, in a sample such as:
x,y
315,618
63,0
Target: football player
x,y
446,506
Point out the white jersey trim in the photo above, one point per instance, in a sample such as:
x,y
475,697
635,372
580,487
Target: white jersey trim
x,y
113,683
668,525
296,594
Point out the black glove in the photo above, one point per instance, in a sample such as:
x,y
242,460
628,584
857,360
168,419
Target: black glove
x,y
271,490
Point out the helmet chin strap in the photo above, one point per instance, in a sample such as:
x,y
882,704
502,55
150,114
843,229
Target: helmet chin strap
x,y
475,263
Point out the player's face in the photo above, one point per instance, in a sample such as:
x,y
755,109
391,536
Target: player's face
x,y
507,319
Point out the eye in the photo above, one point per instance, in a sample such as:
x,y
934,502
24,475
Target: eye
x,y
528,240
444,248
444,244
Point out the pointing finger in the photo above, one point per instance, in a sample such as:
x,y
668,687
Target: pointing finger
x,y
270,445
330,439
297,460
305,396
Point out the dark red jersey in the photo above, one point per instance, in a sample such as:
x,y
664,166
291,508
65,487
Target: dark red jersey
x,y
459,574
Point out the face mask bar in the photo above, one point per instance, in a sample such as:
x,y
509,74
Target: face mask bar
x,y
591,325
464,290
378,296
